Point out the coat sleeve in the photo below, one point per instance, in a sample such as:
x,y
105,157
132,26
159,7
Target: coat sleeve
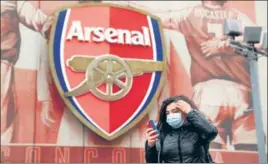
x,y
202,125
150,154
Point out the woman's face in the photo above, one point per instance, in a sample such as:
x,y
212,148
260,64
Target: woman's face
x,y
172,108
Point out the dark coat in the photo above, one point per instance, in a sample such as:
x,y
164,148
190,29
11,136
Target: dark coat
x,y
195,136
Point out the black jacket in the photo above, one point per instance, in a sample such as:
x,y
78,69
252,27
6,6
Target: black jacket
x,y
197,134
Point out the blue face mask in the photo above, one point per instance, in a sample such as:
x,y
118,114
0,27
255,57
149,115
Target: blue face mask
x,y
175,120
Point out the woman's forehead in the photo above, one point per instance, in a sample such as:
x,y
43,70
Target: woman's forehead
x,y
171,106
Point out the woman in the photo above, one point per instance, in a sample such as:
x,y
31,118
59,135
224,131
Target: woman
x,y
185,134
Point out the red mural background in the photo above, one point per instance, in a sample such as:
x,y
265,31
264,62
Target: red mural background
x,y
45,131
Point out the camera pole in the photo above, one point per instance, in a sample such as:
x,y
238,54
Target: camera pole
x,y
248,50
252,54
254,77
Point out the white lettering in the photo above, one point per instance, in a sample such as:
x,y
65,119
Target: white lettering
x,y
146,36
214,14
111,35
137,38
124,36
99,36
88,31
76,31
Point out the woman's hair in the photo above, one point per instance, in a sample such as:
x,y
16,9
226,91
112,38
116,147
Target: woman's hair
x,y
162,123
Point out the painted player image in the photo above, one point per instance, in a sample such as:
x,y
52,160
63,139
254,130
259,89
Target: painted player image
x,y
220,78
12,14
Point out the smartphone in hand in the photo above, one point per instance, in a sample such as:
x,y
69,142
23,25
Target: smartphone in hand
x,y
151,124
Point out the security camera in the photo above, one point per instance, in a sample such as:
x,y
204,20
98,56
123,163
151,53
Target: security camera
x,y
252,34
232,28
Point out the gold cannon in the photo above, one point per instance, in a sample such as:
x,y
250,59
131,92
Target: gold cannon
x,y
109,69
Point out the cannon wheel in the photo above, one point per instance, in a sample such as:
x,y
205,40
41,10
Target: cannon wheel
x,y
109,76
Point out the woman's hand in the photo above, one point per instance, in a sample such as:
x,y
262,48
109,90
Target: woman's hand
x,y
151,136
184,106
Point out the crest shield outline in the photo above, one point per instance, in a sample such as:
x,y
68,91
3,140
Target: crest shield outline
x,y
87,106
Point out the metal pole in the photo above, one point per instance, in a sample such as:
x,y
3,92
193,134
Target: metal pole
x,y
254,76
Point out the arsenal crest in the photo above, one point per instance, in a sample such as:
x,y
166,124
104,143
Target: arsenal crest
x,y
108,63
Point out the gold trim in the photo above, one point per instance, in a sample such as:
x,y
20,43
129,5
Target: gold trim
x,y
56,80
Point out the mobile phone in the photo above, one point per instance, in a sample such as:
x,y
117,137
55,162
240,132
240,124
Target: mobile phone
x,y
151,124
